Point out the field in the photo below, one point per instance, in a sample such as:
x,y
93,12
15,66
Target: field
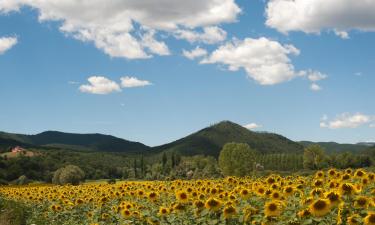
x,y
328,197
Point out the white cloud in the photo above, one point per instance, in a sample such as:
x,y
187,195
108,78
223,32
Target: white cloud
x,y
7,43
315,87
210,35
340,16
130,82
252,126
264,60
347,120
156,47
195,53
372,125
100,85
315,76
116,27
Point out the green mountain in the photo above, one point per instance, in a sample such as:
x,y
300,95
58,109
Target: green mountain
x,y
333,147
210,140
81,142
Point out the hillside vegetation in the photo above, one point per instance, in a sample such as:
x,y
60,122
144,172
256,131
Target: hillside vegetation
x,y
210,140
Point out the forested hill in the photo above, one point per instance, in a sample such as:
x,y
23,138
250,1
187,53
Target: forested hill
x,y
333,147
210,140
90,142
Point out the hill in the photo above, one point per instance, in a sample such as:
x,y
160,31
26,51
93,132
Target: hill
x,y
333,147
81,142
210,140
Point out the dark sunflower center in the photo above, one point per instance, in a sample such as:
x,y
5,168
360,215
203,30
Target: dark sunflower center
x,y
362,201
372,218
333,197
272,207
289,189
183,196
319,205
213,203
229,210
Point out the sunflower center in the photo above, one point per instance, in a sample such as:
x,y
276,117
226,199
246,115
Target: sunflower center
x,y
319,205
372,218
362,201
272,207
183,196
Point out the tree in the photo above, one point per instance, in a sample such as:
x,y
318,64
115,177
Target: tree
x,y
313,157
236,159
69,174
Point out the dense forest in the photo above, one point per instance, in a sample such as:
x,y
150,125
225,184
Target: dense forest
x,y
195,156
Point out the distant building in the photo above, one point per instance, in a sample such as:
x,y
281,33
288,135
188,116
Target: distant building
x,y
18,149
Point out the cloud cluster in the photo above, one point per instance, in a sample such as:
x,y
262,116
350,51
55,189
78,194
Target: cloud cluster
x,y
195,53
102,85
340,16
7,43
264,60
210,35
252,126
130,82
347,120
127,28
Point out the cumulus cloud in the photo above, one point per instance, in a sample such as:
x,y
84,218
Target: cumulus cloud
x,y
210,35
100,85
347,120
117,26
130,82
7,43
340,16
252,126
264,60
315,87
195,53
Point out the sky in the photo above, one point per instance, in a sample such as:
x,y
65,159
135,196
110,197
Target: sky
x,y
155,71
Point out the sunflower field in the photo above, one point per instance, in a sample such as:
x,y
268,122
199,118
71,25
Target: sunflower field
x,y
328,197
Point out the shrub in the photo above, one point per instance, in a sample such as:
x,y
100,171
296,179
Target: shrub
x,y
69,174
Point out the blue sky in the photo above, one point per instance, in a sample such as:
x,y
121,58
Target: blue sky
x,y
307,79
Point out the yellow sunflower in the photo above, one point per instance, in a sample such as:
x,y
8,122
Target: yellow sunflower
x,y
370,219
229,211
273,208
213,204
320,207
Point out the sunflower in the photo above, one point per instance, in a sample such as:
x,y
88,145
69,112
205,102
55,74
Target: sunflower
x,y
288,190
126,213
272,208
182,196
245,193
163,211
260,191
275,195
213,204
152,196
347,189
304,213
320,207
333,197
229,211
361,202
354,219
359,173
370,219
198,204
